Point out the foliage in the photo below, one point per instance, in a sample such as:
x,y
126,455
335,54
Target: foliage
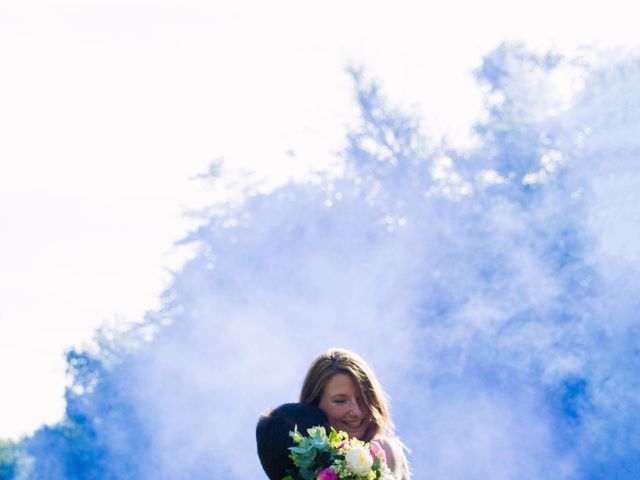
x,y
8,459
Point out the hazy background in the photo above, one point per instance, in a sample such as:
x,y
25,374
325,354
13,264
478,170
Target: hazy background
x,y
109,109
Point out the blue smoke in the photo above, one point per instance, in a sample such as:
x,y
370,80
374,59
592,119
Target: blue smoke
x,y
495,292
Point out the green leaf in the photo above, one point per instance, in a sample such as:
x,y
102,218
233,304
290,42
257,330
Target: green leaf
x,y
307,474
298,450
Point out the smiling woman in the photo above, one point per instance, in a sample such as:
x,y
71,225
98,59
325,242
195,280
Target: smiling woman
x,y
346,389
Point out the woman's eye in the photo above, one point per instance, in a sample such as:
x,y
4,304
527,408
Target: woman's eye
x,y
340,401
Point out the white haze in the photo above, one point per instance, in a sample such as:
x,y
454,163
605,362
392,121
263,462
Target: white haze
x,y
501,318
109,107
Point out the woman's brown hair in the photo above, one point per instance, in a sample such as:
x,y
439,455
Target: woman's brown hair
x,y
371,394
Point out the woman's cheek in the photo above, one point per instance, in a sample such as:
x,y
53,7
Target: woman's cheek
x,y
336,413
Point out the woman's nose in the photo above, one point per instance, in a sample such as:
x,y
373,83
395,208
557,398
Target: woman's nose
x,y
355,410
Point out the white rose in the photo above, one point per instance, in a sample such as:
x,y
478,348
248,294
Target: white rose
x,y
358,460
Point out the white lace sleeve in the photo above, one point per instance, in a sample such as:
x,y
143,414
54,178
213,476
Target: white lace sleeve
x,y
396,459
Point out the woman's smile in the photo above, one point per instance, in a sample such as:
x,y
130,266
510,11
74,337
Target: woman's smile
x,y
342,405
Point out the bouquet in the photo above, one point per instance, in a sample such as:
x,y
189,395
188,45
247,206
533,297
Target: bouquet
x,y
319,456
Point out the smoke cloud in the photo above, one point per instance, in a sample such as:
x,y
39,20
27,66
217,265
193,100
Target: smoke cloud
x,y
495,293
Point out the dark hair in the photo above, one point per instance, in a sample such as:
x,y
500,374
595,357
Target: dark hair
x,y
272,435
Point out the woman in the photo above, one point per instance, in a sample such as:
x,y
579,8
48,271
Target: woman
x,y
346,390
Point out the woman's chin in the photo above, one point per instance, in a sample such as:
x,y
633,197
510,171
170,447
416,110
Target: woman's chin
x,y
357,433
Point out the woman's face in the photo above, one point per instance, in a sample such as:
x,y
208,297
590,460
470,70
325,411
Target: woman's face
x,y
343,407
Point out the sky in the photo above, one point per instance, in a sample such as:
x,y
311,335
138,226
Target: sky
x,y
108,109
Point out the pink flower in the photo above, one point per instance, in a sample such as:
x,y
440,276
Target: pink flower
x,y
378,451
327,474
